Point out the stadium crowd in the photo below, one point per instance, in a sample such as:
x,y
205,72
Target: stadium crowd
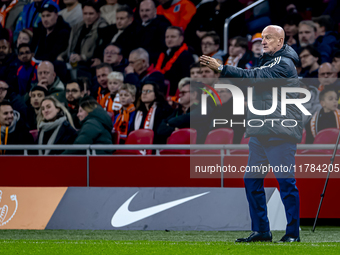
x,y
75,72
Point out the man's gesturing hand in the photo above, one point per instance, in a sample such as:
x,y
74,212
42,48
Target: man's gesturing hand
x,y
209,62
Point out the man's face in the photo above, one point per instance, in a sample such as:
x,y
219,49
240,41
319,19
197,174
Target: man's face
x,y
36,98
307,35
234,50
73,92
125,98
89,15
5,49
270,41
102,74
327,74
307,59
336,64
290,30
208,46
173,38
257,48
195,73
224,94
6,115
3,90
207,72
46,74
49,19
123,20
137,63
147,11
185,95
330,101
25,55
112,55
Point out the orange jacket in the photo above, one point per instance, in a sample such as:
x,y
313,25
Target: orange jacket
x,y
178,14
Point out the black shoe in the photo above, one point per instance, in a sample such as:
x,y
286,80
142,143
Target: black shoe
x,y
256,237
289,239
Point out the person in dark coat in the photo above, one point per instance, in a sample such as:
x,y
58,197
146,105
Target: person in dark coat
x,y
273,145
55,125
13,129
51,36
96,126
152,109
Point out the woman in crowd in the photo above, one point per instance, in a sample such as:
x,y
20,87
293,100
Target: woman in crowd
x,y
55,125
96,126
152,108
25,36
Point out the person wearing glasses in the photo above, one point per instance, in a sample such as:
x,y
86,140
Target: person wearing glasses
x,y
151,108
210,46
139,70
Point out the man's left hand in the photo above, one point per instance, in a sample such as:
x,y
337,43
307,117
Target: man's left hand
x,y
209,62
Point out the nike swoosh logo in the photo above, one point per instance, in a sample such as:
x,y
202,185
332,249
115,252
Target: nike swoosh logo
x,y
124,216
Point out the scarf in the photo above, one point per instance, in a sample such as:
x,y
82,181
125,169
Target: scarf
x,y
5,138
4,11
5,131
149,120
315,119
171,61
122,122
47,126
112,105
233,61
100,95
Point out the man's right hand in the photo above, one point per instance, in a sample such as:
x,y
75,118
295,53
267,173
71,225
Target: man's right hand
x,y
129,69
43,83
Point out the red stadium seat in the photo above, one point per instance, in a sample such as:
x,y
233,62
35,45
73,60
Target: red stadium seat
x,y
34,133
325,136
181,136
243,141
140,136
217,136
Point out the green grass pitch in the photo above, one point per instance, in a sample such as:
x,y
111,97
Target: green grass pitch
x,y
325,240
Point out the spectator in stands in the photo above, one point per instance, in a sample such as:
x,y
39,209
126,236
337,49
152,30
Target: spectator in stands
x,y
17,102
327,117
326,38
122,33
10,12
75,91
111,102
195,71
25,36
187,115
237,49
84,36
113,56
327,76
12,129
140,70
225,111
310,59
96,126
307,33
8,60
37,94
30,16
209,76
151,32
152,109
175,62
290,26
179,13
48,79
73,13
313,105
123,121
252,60
100,89
87,85
27,71
210,16
51,36
336,61
109,10
210,44
55,125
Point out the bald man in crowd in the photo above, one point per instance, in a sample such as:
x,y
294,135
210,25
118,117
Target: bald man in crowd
x,y
48,79
271,143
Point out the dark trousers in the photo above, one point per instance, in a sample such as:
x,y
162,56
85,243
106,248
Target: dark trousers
x,y
275,153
